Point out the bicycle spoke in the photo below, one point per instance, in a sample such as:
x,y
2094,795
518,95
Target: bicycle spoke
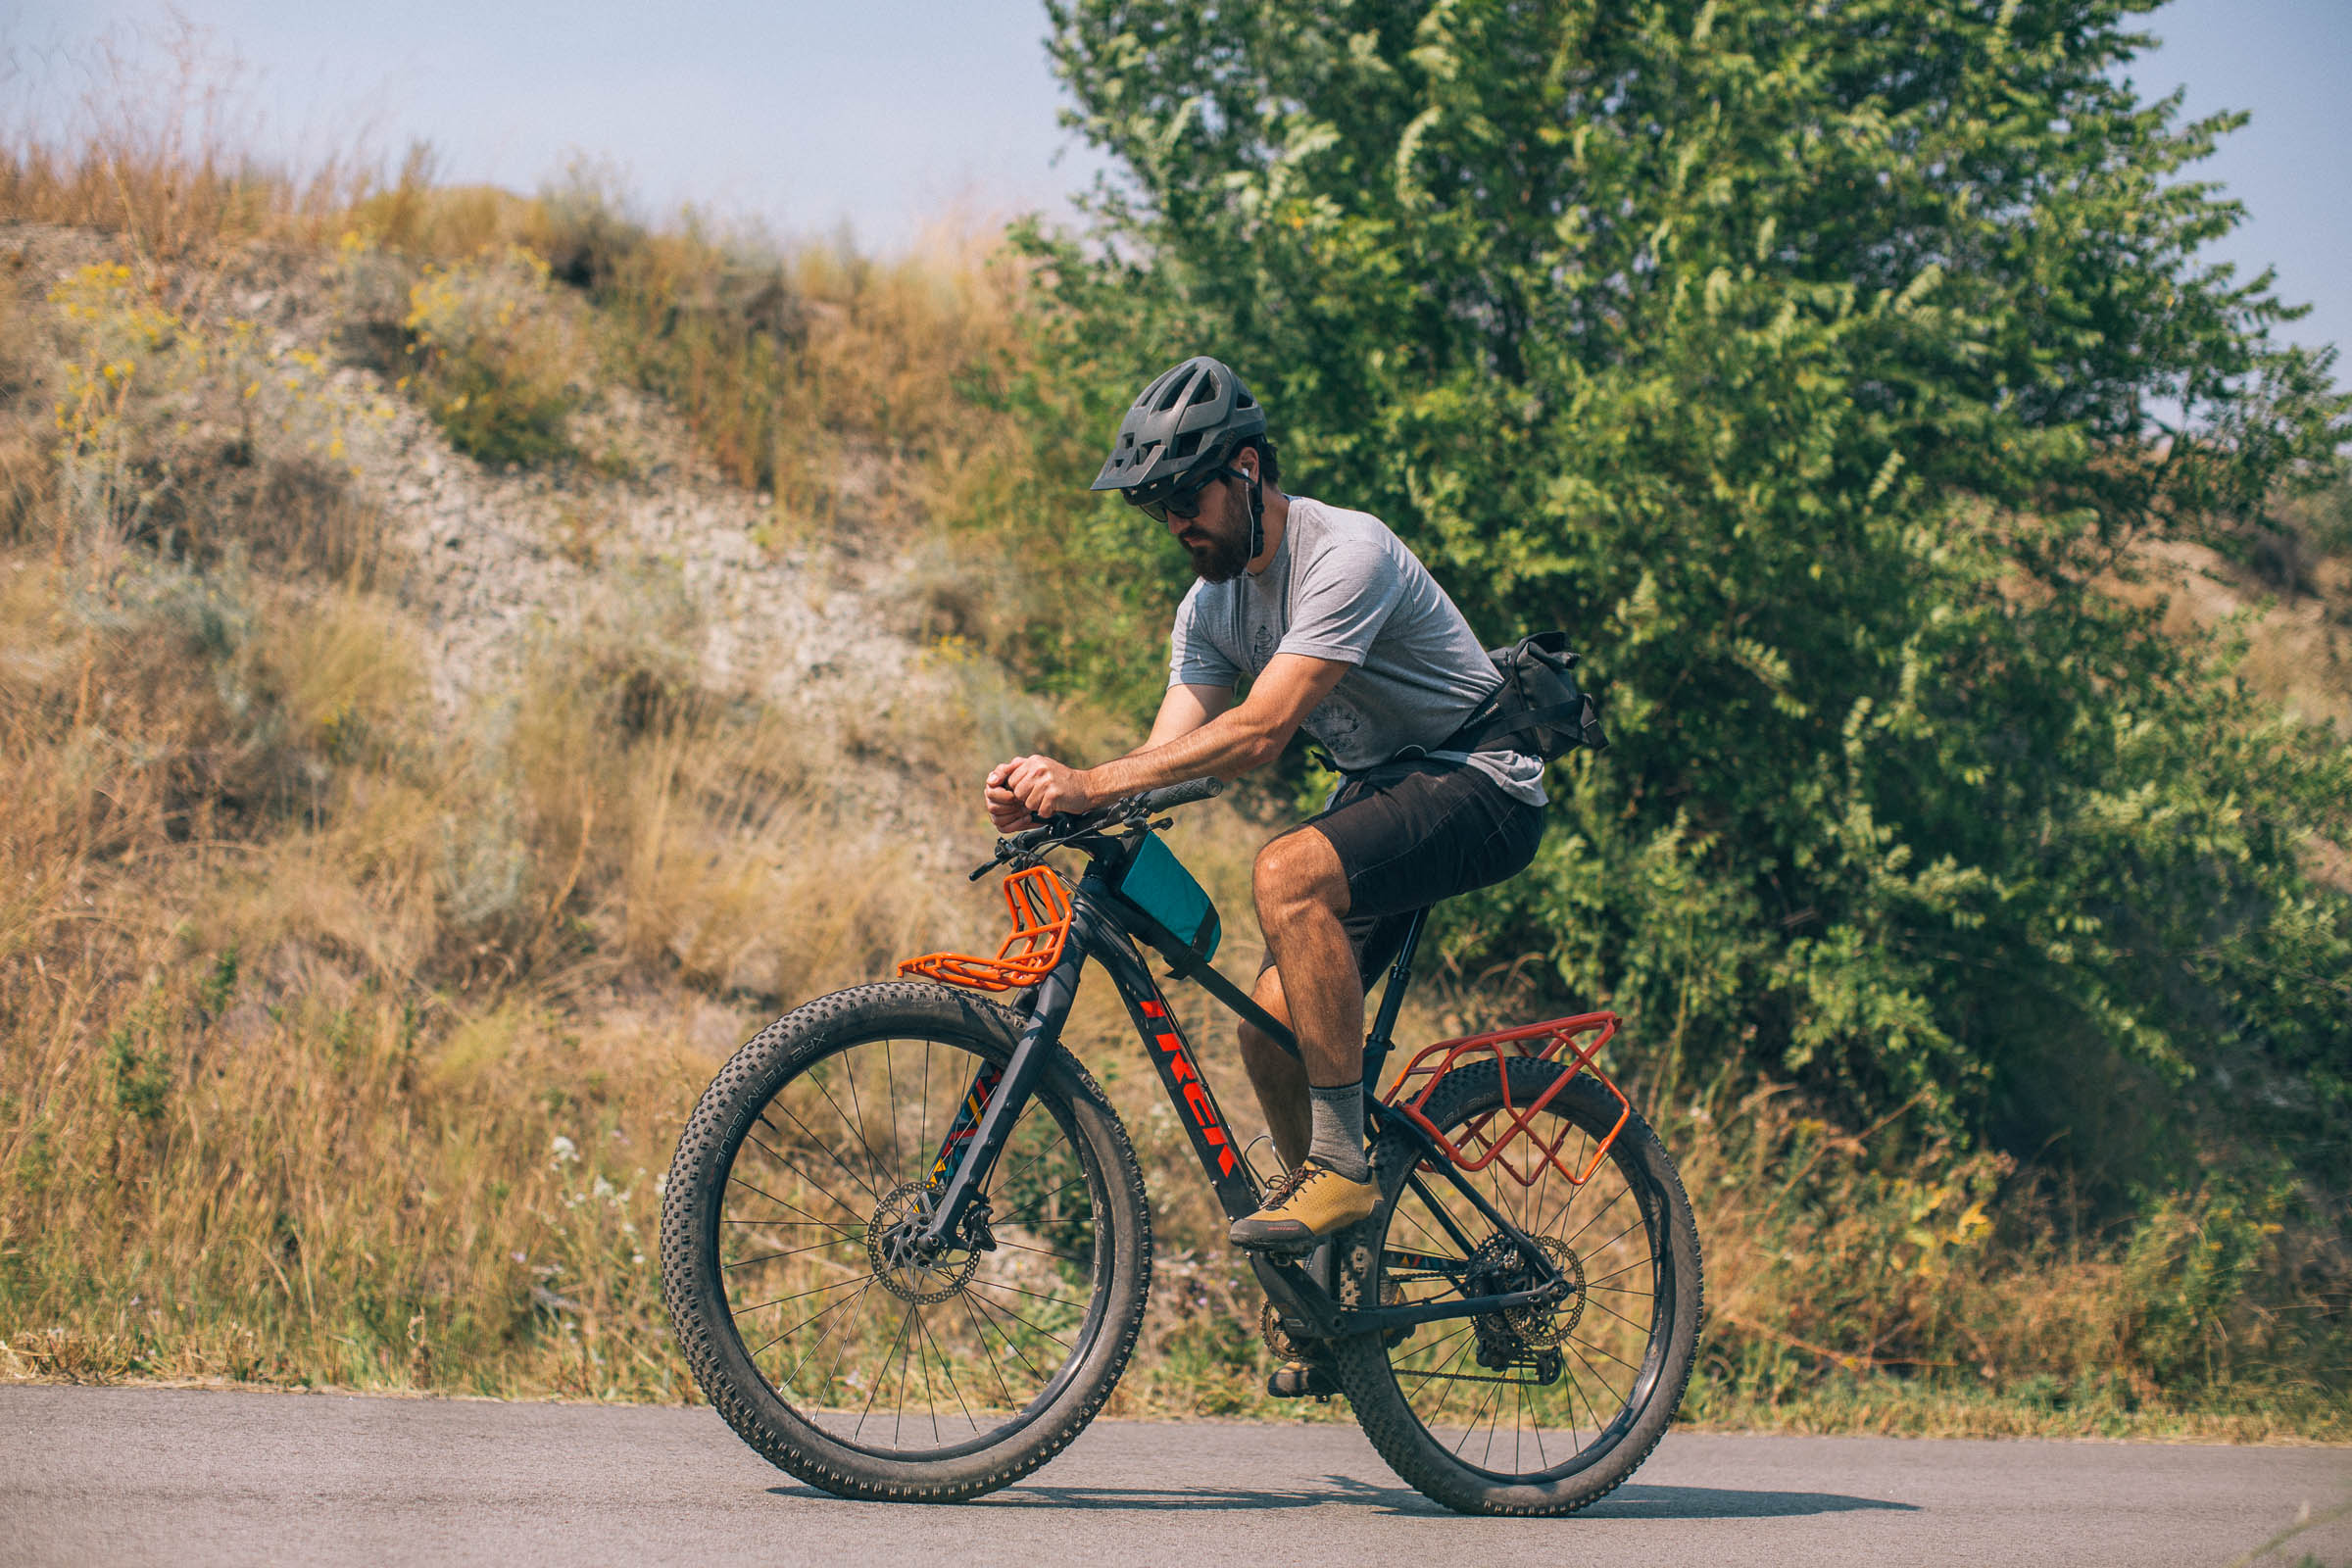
x,y
1000,1285
1041,1252
850,1073
981,1334
1570,1237
999,1306
876,1390
1620,1316
821,1311
1075,1181
949,1370
1536,1421
1614,1396
828,1148
767,1257
1010,1343
781,1300
853,1301
890,1086
781,1203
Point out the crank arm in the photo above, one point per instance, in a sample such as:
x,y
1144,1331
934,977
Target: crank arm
x,y
1296,1296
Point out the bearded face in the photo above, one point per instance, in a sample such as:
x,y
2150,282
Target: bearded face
x,y
1219,538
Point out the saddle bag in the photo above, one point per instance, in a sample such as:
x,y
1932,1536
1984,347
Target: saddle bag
x,y
1539,709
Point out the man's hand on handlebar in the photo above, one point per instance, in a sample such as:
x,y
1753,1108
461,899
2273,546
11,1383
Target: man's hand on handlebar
x,y
1027,790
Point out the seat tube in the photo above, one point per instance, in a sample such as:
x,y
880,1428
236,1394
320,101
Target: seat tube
x,y
1392,998
1054,994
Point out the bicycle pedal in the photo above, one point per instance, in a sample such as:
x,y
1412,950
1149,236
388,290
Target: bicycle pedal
x,y
1299,1380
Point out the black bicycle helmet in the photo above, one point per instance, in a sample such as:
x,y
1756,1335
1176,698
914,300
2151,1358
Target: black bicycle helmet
x,y
1189,419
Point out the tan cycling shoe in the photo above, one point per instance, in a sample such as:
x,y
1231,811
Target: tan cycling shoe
x,y
1309,1204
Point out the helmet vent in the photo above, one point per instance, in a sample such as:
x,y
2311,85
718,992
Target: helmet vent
x,y
1185,444
1204,390
1174,392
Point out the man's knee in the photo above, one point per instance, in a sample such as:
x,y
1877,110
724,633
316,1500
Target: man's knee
x,y
1299,869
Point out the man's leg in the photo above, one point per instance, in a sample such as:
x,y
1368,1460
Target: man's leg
x,y
1276,1075
1301,897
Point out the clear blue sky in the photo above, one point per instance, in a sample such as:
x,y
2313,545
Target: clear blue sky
x,y
884,114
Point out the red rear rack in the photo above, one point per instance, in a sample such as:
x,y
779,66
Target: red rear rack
x,y
1482,1140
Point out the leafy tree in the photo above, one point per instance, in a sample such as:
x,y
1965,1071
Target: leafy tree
x,y
1815,361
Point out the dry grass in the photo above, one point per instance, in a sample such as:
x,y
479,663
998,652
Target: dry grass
x,y
338,1039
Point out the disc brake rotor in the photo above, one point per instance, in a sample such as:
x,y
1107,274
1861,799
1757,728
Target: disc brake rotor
x,y
902,1269
1498,1268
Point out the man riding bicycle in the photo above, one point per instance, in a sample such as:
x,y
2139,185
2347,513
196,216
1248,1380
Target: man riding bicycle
x,y
1342,632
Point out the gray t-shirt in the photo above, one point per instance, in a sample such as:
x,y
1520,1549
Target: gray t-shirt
x,y
1341,586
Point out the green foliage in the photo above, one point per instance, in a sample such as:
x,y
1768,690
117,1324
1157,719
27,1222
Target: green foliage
x,y
2190,1265
220,984
495,359
1804,360
142,1079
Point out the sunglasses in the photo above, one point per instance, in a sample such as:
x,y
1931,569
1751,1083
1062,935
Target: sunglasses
x,y
1184,503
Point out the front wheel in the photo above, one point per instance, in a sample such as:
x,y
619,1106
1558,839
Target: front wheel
x,y
1539,1409
829,1340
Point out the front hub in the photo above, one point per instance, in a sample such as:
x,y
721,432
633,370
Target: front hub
x,y
892,1243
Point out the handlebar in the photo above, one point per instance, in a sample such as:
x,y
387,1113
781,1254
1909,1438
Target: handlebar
x,y
1152,801
1064,826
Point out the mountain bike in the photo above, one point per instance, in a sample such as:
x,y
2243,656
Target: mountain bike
x,y
906,1247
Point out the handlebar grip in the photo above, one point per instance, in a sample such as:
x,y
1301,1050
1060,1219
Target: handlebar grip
x,y
1184,794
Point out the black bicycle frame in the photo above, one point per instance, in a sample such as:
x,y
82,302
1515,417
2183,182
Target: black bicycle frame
x,y
1106,926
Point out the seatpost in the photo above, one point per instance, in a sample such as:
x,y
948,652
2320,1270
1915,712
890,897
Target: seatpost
x,y
1391,997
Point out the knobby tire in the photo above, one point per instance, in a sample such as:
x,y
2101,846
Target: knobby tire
x,y
817,1047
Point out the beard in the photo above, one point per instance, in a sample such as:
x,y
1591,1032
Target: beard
x,y
1219,554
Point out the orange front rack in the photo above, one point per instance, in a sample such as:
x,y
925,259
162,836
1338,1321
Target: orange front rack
x,y
1482,1142
1040,903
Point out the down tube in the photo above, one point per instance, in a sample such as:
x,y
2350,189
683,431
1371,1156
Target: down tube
x,y
1213,1142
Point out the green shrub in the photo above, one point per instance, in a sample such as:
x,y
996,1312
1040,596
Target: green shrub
x,y
495,358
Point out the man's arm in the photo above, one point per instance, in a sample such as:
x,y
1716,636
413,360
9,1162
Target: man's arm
x,y
1183,710
1227,745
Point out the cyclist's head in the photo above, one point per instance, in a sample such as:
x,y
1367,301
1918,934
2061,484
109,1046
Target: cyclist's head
x,y
1222,519
1182,437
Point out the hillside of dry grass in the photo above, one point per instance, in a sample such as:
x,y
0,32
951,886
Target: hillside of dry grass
x,y
468,662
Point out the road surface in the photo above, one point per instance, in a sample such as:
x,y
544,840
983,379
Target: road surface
x,y
190,1476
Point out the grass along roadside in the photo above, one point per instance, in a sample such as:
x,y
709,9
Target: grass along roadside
x,y
345,1037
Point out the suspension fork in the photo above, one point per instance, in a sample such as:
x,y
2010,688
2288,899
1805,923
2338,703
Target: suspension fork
x,y
993,1103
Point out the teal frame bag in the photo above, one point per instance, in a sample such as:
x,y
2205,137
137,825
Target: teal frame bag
x,y
1156,883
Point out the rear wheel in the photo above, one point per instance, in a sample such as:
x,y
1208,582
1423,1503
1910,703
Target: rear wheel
x,y
833,1344
1541,1409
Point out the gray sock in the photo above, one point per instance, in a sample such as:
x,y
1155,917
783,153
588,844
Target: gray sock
x,y
1338,1144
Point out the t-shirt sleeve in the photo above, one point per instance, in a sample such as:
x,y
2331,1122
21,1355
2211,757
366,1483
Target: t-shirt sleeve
x,y
1193,659
1344,598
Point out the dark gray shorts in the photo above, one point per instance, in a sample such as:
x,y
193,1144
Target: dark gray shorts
x,y
1408,834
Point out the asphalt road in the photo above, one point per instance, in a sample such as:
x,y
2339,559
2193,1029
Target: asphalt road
x,y
140,1475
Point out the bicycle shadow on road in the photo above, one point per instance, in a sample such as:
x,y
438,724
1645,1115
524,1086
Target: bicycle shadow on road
x,y
1626,1503
1635,1501
1156,1500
